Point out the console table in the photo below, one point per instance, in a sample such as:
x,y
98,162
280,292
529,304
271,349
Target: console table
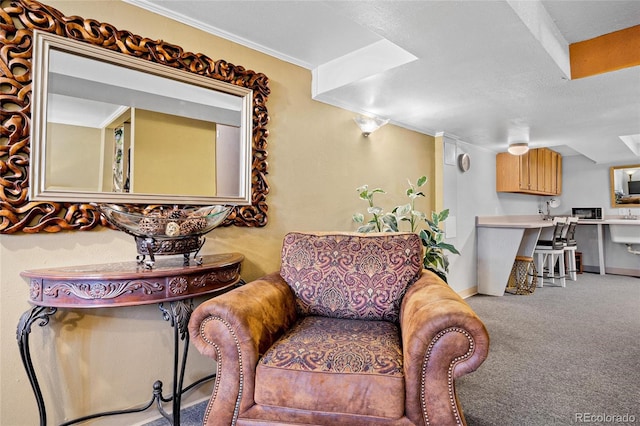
x,y
128,284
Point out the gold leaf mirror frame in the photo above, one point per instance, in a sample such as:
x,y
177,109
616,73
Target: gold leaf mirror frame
x,y
618,177
18,20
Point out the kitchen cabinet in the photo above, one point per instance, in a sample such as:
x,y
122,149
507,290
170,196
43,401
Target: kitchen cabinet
x,y
537,172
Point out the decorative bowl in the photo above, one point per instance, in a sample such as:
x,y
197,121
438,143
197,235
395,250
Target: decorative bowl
x,y
165,231
165,223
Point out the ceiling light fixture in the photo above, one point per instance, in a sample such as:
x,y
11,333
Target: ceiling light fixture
x,y
369,125
518,148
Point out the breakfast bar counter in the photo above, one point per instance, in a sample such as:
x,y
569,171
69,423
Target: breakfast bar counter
x,y
499,240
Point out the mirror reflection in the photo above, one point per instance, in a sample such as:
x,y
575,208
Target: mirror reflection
x,y
625,186
116,130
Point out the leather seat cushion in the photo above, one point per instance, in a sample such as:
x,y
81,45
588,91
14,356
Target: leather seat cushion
x,y
352,366
357,276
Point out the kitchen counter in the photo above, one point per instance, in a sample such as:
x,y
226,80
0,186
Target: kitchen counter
x,y
499,240
530,221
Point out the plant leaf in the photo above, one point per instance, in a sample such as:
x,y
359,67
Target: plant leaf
x,y
450,247
390,222
403,210
418,214
369,227
374,210
435,218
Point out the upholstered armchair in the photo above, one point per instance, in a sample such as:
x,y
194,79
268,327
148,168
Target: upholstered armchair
x,y
350,331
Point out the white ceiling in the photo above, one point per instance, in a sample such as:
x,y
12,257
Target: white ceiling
x,y
479,71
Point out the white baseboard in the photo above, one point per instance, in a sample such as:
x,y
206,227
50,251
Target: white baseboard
x,y
613,271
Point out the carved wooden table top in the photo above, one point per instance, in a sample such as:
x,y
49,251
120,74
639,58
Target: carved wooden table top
x,y
130,283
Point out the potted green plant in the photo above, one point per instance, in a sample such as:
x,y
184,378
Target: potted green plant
x,y
435,257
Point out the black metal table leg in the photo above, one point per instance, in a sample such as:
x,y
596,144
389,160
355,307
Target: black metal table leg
x,y
178,315
34,314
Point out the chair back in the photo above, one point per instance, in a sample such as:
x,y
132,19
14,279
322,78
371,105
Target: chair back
x,y
351,275
556,242
560,226
569,237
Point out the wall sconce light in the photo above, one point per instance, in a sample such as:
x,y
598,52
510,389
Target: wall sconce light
x,y
369,125
630,173
518,148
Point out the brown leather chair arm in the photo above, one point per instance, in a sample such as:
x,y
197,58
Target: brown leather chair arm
x,y
234,329
442,339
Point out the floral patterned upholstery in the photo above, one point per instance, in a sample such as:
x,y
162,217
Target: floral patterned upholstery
x,y
352,346
356,276
322,354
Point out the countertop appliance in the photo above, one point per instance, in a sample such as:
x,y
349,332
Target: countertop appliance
x,y
593,213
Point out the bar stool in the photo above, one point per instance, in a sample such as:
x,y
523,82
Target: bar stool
x,y
570,248
550,252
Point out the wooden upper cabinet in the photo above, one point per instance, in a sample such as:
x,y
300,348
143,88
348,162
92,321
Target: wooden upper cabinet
x,y
538,172
558,187
546,169
510,174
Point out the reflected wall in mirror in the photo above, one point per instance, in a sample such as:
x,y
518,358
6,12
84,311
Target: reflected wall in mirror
x,y
214,108
625,186
111,128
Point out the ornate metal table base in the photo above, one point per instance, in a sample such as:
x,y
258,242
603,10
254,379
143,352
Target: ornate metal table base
x,y
171,283
151,247
41,313
178,314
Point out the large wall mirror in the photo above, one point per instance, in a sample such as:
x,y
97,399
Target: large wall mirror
x,y
113,128
95,114
625,186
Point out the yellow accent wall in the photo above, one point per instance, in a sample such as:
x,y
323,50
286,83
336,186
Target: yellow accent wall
x,y
182,164
106,359
69,150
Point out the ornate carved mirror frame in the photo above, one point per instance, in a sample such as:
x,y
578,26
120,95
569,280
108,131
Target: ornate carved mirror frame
x,y
18,20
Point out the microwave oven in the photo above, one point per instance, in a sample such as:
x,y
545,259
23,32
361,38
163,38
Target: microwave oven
x,y
593,213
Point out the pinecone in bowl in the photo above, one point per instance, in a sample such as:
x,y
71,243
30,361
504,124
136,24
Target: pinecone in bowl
x,y
192,225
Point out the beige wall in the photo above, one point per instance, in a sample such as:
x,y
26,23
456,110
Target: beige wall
x,y
106,359
69,149
183,164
